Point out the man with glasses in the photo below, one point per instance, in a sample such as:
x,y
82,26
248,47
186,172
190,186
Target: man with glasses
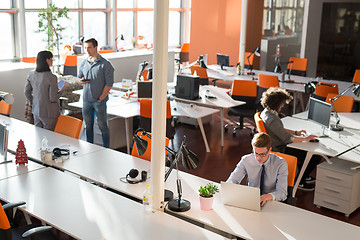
x,y
264,170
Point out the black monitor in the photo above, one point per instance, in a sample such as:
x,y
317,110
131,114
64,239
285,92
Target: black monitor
x,y
222,60
3,143
144,89
77,49
319,112
187,87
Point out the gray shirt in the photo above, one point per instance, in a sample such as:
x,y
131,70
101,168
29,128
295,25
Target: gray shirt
x,y
275,179
100,74
42,91
275,128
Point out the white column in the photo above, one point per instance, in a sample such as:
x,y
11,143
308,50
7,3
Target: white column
x,y
244,9
158,124
22,29
114,24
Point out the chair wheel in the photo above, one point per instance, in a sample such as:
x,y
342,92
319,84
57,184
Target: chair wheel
x,y
225,129
234,133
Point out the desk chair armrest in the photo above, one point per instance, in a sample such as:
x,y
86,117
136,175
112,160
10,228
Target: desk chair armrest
x,y
35,231
8,206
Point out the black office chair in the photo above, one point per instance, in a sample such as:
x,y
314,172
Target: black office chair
x,y
8,230
243,91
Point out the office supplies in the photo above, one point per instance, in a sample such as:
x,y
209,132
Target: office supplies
x,y
222,60
241,196
187,87
320,113
314,140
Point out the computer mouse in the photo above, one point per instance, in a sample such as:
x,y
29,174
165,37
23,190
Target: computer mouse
x,y
175,109
314,140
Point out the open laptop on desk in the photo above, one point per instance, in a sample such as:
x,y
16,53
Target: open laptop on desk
x,y
240,196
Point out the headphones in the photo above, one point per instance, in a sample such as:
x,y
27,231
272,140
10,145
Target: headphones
x,y
58,152
133,174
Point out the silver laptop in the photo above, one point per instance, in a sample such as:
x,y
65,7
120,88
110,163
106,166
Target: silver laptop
x,y
241,196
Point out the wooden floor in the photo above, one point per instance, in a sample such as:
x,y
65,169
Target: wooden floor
x,y
219,163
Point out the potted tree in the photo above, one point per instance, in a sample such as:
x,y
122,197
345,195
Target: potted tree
x,y
49,23
207,196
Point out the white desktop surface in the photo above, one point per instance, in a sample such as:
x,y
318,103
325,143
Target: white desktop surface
x,y
11,169
32,137
85,211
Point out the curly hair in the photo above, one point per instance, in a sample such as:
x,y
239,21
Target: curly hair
x,y
273,98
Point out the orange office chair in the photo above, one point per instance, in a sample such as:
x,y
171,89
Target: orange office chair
x,y
243,90
321,91
32,231
5,108
299,66
70,65
68,126
356,78
292,163
29,59
251,60
145,74
342,104
260,126
201,72
106,51
146,115
184,54
147,154
265,81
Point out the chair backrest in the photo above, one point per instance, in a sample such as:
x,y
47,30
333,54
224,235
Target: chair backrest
x,y
356,78
201,72
299,66
147,154
342,104
291,162
251,60
5,108
29,59
259,123
268,81
184,52
70,60
5,228
106,51
185,47
146,115
246,88
321,91
68,126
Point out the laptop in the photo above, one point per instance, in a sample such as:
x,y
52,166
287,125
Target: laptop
x,y
240,196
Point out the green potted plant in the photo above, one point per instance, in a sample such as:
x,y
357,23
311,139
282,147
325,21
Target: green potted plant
x,y
49,23
207,196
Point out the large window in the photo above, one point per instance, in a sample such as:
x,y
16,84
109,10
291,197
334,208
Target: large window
x,y
95,27
6,39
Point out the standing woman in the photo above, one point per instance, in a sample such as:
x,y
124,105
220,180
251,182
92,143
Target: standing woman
x,y
42,91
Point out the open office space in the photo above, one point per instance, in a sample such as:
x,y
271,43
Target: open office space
x,y
88,191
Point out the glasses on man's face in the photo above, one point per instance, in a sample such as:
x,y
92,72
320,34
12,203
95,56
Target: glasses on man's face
x,y
261,154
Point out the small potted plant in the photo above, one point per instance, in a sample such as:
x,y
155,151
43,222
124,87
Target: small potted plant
x,y
207,196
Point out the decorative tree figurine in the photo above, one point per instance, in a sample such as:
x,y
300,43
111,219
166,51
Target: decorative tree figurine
x,y
21,156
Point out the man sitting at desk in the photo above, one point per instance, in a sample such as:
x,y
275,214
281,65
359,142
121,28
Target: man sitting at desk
x,y
264,170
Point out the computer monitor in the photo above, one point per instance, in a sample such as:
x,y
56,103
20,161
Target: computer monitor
x,y
3,143
187,87
319,112
222,60
144,89
77,49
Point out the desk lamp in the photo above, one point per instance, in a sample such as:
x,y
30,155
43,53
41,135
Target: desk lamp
x,y
339,154
7,97
188,159
257,53
356,90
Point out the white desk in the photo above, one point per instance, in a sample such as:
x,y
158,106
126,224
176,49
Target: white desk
x,y
32,137
11,169
221,102
129,108
85,211
328,146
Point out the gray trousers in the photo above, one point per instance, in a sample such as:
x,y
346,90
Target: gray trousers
x,y
45,122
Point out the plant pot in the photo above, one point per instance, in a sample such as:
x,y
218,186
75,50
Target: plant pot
x,y
206,203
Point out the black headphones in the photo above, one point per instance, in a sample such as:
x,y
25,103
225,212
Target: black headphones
x,y
133,174
58,152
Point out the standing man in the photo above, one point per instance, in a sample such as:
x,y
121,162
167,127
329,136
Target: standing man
x,y
97,76
264,170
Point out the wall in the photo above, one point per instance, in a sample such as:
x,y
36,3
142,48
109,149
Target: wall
x,y
215,28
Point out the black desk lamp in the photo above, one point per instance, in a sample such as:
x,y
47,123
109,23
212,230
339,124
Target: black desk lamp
x,y
188,159
257,53
356,90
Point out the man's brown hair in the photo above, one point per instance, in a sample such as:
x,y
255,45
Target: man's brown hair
x,y
93,41
261,140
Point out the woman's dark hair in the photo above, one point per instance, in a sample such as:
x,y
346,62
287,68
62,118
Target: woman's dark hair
x,y
41,64
274,97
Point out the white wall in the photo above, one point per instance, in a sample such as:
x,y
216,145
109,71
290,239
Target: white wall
x,y
311,32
